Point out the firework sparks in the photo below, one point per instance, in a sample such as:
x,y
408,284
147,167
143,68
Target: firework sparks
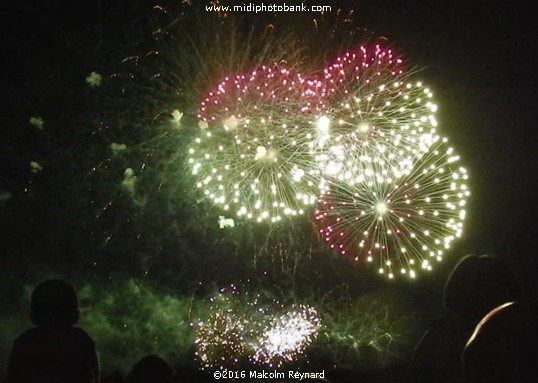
x,y
223,338
287,336
255,157
402,220
243,326
372,109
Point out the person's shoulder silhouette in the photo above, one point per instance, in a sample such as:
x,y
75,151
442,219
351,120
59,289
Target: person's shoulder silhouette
x,y
502,347
151,369
477,284
54,350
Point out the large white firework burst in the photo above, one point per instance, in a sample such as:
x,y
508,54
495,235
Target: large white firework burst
x,y
372,108
401,220
287,336
254,154
242,326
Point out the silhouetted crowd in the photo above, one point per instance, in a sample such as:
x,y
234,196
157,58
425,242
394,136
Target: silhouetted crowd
x,y
487,334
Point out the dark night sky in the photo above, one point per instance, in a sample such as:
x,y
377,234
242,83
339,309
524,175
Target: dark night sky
x,y
478,58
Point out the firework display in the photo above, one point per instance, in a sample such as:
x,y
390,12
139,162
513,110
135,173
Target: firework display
x,y
362,142
373,109
287,336
254,155
355,141
241,326
222,339
297,155
401,220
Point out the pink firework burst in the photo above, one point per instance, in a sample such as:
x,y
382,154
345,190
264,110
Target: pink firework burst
x,y
373,108
255,153
273,94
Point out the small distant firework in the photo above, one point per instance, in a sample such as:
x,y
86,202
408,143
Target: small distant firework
x,y
254,156
400,220
117,148
241,326
222,340
35,167
225,222
287,336
38,122
372,109
94,79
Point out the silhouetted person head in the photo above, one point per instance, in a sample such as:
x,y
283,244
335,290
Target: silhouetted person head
x,y
478,284
54,303
54,351
151,369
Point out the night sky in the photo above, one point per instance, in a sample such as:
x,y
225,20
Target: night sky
x,y
477,57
